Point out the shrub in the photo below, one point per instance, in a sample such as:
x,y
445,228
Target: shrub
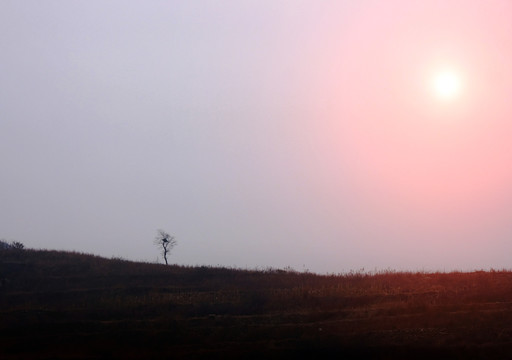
x,y
17,245
4,245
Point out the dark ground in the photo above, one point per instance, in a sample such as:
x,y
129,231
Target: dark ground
x,y
58,305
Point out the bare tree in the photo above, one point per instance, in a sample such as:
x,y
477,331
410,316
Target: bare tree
x,y
166,242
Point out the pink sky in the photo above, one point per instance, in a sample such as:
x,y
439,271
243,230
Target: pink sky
x,y
425,167
429,153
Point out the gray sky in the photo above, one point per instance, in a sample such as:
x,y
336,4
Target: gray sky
x,y
259,133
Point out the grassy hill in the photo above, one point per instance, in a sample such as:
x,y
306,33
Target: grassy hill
x,y
60,305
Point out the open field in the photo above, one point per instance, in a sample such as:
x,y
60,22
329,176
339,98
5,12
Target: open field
x,y
75,306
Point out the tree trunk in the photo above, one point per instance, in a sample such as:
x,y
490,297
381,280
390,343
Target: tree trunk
x,y
165,255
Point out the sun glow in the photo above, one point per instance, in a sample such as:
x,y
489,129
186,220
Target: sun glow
x,y
447,85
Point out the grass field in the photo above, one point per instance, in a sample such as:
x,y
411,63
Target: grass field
x,y
60,305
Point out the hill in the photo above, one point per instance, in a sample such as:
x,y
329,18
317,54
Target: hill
x,y
62,305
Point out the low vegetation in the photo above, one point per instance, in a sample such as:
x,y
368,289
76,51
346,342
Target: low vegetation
x,y
75,306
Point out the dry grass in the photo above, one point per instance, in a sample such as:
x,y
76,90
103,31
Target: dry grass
x,y
70,305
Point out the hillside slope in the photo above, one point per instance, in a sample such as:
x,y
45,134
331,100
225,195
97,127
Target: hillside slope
x,y
75,306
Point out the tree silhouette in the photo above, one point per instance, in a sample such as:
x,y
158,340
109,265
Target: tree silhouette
x,y
17,245
166,242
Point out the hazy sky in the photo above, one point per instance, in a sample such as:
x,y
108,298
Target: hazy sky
x,y
260,133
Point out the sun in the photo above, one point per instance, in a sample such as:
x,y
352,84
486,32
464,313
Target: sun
x,y
447,85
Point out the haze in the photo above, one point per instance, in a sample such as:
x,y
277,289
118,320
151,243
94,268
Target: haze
x,y
259,133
